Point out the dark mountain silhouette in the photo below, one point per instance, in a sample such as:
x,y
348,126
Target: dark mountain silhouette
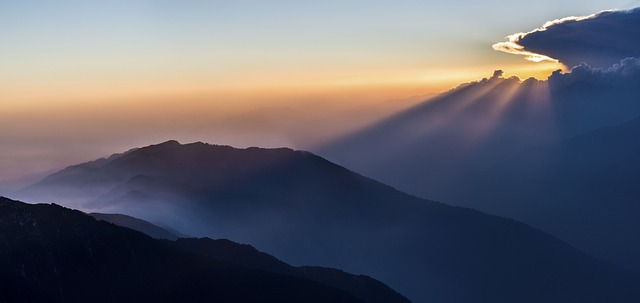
x,y
365,288
53,254
505,147
143,226
307,210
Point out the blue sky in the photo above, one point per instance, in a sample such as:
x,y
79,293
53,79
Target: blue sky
x,y
233,39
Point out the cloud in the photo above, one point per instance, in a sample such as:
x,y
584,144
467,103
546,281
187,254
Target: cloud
x,y
599,40
626,73
512,47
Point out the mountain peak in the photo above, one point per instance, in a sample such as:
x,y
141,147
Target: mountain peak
x,y
170,143
166,144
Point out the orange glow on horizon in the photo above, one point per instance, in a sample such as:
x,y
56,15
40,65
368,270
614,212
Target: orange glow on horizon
x,y
71,109
370,85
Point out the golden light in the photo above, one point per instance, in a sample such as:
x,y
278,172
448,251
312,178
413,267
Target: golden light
x,y
512,47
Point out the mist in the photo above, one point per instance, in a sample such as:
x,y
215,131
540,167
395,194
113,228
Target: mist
x,y
531,150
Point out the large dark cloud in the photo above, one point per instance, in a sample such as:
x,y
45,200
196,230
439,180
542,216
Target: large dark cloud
x,y
600,40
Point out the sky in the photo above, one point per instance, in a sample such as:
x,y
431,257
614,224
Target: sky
x,y
84,79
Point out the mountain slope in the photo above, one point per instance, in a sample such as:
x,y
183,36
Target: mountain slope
x,y
365,288
306,210
523,150
52,254
589,181
145,227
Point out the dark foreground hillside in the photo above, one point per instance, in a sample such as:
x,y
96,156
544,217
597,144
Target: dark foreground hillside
x,y
229,252
49,253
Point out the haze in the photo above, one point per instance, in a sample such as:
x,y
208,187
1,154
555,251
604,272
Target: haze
x,y
84,79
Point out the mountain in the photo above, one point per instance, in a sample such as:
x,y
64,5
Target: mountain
x,y
555,154
363,287
145,227
589,183
52,254
307,210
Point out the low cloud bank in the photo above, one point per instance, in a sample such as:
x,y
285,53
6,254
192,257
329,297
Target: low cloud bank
x,y
626,73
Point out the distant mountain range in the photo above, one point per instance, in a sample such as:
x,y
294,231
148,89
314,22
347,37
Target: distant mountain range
x,y
583,189
307,210
561,155
53,254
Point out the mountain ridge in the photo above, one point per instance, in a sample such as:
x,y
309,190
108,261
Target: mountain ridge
x,y
522,150
307,210
64,255
145,227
